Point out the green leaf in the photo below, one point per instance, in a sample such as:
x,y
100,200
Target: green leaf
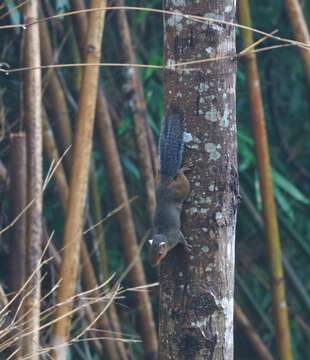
x,y
124,125
131,167
281,182
281,200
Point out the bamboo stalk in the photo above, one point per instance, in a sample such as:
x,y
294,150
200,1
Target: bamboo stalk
x,y
143,136
78,180
116,180
97,212
128,236
18,201
289,270
56,260
61,113
269,207
55,95
32,103
257,343
300,30
115,349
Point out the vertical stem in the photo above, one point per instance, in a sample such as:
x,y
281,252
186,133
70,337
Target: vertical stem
x,y
79,177
115,349
136,275
269,207
127,229
196,289
300,30
139,109
55,94
18,201
32,98
251,334
96,210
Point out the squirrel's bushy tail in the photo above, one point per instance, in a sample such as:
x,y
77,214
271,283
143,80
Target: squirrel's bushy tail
x,y
171,143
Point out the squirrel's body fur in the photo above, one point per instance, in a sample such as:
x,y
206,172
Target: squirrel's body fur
x,y
171,190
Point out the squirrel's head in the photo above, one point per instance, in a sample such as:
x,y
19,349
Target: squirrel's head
x,y
158,249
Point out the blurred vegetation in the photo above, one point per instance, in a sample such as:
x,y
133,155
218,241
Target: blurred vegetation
x,y
287,111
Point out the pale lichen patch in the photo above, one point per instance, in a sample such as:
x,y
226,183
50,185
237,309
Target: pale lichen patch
x,y
212,150
225,118
211,115
176,20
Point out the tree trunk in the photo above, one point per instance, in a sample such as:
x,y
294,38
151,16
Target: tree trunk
x,y
279,305
196,290
78,179
33,102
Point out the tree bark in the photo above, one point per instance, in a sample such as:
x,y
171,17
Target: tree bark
x,y
196,289
78,179
269,207
32,105
300,30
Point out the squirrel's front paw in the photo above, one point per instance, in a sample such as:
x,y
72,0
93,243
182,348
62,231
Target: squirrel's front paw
x,y
187,247
187,166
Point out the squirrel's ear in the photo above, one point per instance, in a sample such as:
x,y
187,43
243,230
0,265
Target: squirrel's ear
x,y
150,241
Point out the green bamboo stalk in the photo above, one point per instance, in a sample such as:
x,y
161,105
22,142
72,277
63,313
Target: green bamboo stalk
x,y
269,208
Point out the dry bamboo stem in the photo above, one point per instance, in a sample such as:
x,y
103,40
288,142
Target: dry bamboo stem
x,y
139,109
62,125
257,343
32,98
18,201
300,29
269,207
97,212
55,94
127,229
128,236
78,180
56,262
88,274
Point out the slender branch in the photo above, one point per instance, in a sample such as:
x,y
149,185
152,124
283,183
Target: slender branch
x,y
269,207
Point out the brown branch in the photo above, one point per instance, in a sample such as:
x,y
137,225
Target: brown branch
x,y
251,334
300,29
55,94
128,236
78,180
62,124
269,208
32,105
138,108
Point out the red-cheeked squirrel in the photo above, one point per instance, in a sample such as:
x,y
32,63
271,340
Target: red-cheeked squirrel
x,y
171,190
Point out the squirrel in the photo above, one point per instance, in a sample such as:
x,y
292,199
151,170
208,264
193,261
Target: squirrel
x,y
171,190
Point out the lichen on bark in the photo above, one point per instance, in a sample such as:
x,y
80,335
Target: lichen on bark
x,y
196,289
